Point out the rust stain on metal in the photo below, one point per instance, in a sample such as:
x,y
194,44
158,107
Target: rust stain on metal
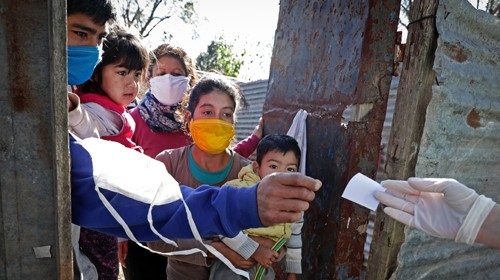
x,y
474,119
19,87
348,63
455,51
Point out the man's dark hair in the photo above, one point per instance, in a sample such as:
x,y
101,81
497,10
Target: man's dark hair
x,y
100,11
277,142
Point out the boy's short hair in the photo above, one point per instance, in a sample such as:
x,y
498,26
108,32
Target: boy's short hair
x,y
100,11
277,142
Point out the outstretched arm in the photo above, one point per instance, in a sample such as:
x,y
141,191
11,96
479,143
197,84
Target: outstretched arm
x,y
444,208
489,234
216,211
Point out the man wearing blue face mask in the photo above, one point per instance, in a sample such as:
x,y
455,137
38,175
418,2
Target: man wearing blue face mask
x,y
106,177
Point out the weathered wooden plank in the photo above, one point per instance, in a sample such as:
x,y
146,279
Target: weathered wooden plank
x,y
413,96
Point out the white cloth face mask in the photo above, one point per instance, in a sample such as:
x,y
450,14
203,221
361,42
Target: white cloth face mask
x,y
169,89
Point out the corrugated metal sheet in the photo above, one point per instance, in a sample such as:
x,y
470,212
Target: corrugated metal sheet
x,y
461,137
255,94
391,102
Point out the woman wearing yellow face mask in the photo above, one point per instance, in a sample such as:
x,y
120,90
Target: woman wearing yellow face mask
x,y
209,118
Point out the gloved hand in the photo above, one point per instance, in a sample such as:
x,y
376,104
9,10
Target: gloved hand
x,y
440,207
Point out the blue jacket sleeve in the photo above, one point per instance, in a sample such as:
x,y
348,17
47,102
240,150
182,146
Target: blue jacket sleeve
x,y
223,211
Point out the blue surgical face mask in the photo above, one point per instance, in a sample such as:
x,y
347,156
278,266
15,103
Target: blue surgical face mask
x,y
81,63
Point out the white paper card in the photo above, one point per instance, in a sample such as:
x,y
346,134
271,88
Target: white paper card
x,y
42,252
361,190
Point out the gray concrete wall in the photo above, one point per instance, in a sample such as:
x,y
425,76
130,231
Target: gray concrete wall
x,y
461,138
34,178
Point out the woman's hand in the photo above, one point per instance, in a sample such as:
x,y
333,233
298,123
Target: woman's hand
x,y
438,206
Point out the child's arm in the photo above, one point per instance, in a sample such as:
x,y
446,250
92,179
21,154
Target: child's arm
x,y
237,260
265,256
91,119
246,247
294,249
242,244
247,146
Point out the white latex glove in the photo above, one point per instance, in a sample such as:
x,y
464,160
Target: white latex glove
x,y
440,207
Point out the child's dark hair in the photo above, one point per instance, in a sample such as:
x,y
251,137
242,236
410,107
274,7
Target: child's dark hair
x,y
277,142
120,47
210,83
177,53
100,11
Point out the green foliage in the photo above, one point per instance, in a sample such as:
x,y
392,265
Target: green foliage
x,y
221,58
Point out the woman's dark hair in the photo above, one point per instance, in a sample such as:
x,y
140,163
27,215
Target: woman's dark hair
x,y
177,53
277,142
100,11
206,85
120,47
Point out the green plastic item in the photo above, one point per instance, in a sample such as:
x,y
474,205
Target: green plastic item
x,y
260,269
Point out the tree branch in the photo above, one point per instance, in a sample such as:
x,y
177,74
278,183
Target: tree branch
x,y
156,3
153,27
403,24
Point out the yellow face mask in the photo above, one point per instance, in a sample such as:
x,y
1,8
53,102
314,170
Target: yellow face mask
x,y
211,135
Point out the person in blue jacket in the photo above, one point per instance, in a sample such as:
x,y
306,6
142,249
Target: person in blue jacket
x,y
101,203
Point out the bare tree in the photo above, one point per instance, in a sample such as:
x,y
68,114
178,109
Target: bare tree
x,y
146,15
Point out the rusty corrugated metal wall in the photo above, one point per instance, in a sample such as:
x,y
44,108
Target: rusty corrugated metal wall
x,y
329,55
461,138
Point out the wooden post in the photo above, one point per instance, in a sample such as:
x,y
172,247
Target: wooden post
x,y
35,213
414,94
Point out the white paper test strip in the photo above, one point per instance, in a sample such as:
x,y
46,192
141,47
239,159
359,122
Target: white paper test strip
x,y
361,190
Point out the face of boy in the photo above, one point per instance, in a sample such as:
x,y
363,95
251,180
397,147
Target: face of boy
x,y
83,39
276,161
82,31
